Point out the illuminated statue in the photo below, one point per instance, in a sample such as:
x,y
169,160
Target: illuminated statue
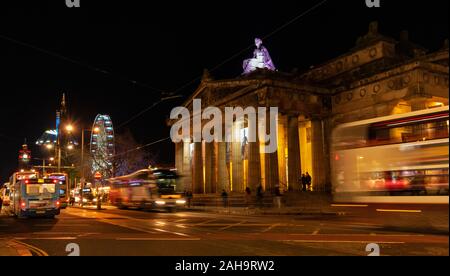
x,y
261,59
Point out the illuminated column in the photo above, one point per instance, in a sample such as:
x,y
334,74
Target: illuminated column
x,y
209,167
270,164
223,181
237,164
197,169
294,165
282,151
319,173
254,164
186,176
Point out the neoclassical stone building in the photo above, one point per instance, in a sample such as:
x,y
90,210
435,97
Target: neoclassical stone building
x,y
380,76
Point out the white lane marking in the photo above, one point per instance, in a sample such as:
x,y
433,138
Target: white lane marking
x,y
60,225
360,235
54,233
127,226
157,239
180,220
316,232
270,228
205,222
171,232
399,211
350,205
46,238
232,225
327,241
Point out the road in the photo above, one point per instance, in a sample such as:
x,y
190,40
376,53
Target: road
x,y
135,233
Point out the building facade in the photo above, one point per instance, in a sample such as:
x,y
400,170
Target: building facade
x,y
380,76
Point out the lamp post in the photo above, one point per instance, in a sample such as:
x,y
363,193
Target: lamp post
x,y
83,180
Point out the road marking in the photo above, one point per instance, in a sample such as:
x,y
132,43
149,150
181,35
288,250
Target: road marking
x,y
47,238
54,233
205,222
350,205
270,227
60,225
360,235
110,219
316,232
126,226
157,239
22,250
399,211
170,232
36,250
232,225
180,220
237,224
327,241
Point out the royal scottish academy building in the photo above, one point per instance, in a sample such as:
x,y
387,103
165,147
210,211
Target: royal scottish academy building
x,y
380,76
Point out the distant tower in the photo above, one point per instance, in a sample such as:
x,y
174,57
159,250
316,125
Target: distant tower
x,y
63,105
24,157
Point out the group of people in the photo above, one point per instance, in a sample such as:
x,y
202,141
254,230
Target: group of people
x,y
248,196
306,181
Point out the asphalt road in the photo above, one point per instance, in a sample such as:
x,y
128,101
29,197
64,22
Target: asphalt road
x,y
404,232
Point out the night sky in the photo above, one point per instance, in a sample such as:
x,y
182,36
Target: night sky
x,y
162,46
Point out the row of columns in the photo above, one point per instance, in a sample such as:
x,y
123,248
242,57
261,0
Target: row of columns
x,y
205,170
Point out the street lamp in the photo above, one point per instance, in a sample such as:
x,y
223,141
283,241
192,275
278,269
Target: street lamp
x,y
95,130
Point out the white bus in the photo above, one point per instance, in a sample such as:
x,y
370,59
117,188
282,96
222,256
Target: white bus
x,y
394,159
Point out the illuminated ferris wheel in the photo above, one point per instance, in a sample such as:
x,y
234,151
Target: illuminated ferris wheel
x,y
102,146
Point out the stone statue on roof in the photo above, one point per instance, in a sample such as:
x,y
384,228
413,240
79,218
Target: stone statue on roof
x,y
261,59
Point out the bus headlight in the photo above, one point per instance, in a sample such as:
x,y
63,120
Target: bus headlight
x,y
160,202
181,201
85,200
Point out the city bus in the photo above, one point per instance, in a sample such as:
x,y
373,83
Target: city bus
x,y
146,189
23,174
395,159
35,197
62,179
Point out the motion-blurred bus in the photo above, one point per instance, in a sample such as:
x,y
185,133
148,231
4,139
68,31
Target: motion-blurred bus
x,y
146,189
394,159
35,197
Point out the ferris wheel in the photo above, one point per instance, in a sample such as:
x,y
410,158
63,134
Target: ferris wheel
x,y
102,146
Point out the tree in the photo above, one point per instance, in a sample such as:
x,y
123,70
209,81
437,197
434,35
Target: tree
x,y
129,158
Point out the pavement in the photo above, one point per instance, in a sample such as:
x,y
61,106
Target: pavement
x,y
13,248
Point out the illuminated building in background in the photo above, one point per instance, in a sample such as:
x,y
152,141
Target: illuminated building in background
x,y
380,76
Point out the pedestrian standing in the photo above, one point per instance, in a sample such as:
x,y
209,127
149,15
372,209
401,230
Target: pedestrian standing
x,y
189,197
224,198
308,181
304,182
260,196
248,196
277,194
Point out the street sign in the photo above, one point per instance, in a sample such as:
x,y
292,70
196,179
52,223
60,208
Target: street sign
x,y
97,175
